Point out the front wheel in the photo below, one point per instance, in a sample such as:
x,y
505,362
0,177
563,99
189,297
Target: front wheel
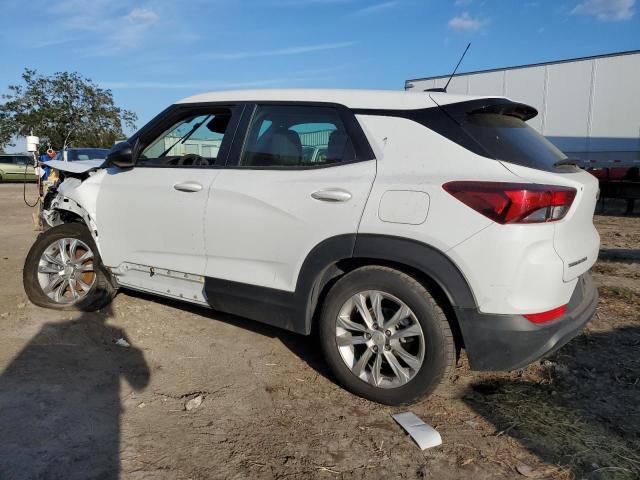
x,y
384,336
63,270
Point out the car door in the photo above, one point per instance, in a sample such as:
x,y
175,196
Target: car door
x,y
273,203
153,214
7,168
23,168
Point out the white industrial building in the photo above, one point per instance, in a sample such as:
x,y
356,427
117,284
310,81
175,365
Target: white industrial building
x,y
588,107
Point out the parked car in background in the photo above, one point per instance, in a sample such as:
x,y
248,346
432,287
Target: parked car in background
x,y
75,154
313,154
433,222
17,167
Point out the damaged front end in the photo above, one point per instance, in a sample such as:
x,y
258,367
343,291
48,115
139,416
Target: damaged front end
x,y
72,198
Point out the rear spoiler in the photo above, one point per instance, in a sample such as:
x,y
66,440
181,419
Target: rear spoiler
x,y
513,109
499,106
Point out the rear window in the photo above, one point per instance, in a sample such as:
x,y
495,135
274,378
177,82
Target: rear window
x,y
511,140
494,128
296,136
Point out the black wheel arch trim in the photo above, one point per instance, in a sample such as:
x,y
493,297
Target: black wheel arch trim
x,y
425,258
295,310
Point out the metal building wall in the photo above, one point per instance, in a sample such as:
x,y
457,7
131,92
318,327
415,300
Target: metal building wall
x,y
590,108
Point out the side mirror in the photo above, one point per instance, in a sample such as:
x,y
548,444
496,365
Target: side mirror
x,y
121,155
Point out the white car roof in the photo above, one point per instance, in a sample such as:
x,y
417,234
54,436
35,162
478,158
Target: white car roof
x,y
369,99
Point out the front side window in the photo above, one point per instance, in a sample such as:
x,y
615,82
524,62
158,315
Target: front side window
x,y
194,141
296,136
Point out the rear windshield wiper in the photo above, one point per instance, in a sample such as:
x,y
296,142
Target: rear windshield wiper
x,y
565,162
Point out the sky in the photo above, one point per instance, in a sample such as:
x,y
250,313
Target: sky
x,y
152,53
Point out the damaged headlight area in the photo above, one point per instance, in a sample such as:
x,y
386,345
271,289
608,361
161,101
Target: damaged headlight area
x,y
63,202
57,208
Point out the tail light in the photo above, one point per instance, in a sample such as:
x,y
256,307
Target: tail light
x,y
514,202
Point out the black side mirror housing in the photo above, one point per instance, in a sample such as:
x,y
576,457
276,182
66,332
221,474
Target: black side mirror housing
x,y
121,155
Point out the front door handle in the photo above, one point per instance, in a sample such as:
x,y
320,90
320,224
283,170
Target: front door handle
x,y
188,187
332,195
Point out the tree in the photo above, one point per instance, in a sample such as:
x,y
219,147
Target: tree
x,y
62,109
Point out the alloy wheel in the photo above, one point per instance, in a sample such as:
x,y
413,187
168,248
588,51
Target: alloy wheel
x,y
380,339
66,270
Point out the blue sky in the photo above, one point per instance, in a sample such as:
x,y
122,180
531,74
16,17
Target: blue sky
x,y
151,53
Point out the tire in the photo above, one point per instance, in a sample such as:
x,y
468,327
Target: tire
x,y
387,287
98,290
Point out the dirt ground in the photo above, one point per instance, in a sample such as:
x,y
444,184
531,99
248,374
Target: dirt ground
x,y
75,405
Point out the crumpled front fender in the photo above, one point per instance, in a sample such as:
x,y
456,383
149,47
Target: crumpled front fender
x,y
76,197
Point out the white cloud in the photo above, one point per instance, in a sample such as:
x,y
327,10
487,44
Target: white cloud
x,y
142,16
376,8
300,77
277,52
466,23
100,27
606,10
460,3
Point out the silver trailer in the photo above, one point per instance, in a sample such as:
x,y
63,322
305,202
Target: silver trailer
x,y
588,107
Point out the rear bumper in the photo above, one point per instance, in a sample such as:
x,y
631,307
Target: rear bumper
x,y
508,342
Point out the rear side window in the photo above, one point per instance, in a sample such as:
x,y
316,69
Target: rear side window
x,y
510,139
296,136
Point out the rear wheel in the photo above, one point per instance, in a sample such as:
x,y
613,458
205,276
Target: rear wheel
x,y
63,270
384,336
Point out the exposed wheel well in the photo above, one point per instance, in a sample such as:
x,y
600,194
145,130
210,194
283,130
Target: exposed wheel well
x,y
342,267
70,217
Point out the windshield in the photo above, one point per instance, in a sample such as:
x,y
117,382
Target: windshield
x,y
84,154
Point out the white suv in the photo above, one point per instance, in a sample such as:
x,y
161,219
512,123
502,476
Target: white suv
x,y
423,223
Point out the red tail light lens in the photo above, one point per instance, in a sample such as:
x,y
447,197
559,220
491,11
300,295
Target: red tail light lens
x,y
514,202
544,317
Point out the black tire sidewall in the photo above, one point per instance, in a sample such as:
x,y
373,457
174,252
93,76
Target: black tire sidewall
x,y
430,317
102,290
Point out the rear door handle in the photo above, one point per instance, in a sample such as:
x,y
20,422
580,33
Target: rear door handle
x,y
188,187
332,195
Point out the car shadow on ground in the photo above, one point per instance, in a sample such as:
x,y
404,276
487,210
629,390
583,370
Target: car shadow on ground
x,y
586,418
60,401
307,348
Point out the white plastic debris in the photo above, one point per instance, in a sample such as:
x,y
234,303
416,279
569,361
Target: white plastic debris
x,y
194,403
424,435
121,342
